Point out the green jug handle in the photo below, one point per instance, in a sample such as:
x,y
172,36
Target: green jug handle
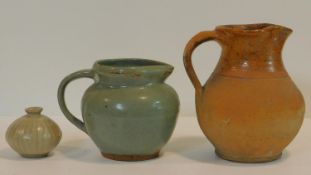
x,y
190,47
61,96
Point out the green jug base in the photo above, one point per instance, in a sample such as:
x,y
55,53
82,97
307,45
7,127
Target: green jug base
x,y
130,157
248,159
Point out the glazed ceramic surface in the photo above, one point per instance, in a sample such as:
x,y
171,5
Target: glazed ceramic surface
x,y
129,112
33,135
249,108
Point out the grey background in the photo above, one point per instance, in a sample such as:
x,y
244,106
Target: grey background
x,y
43,41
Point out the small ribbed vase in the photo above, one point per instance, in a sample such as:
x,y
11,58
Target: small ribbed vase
x,y
33,135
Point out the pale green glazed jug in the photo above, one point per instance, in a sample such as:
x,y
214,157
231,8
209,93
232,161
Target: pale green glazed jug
x,y
129,112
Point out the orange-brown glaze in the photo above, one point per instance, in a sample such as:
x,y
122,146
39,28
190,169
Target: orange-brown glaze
x,y
249,108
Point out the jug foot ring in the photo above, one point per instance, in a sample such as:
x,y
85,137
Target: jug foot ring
x,y
35,155
247,159
130,157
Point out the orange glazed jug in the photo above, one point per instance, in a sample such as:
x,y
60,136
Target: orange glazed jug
x,y
249,108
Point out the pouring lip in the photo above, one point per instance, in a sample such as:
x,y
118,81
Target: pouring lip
x,y
124,64
251,28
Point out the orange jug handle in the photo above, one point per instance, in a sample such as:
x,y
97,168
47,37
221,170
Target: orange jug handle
x,y
190,47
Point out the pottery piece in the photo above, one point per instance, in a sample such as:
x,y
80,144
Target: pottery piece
x,y
249,108
33,135
129,112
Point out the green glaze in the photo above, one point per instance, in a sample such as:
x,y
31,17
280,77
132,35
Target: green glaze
x,y
129,110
